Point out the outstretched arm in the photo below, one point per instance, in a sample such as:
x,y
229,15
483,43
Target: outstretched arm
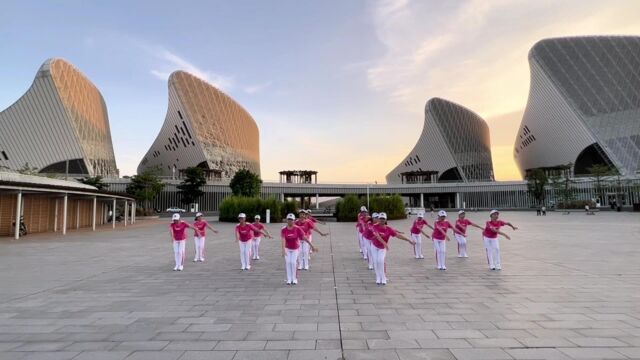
x,y
402,237
513,227
319,232
503,234
425,234
381,240
305,239
477,226
212,229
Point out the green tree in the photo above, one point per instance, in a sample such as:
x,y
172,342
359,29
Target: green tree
x,y
190,188
245,183
95,181
26,169
145,187
536,182
600,173
347,208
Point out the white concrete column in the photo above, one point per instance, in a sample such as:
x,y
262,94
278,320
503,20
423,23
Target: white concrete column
x,y
65,205
422,200
113,217
93,213
18,207
317,201
126,210
458,200
77,214
135,209
55,217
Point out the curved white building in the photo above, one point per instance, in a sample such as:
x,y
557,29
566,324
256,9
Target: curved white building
x,y
59,126
454,145
584,105
203,127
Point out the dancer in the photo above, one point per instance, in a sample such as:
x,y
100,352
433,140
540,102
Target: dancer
x,y
417,232
491,244
291,236
199,232
178,233
244,235
368,237
257,237
439,235
461,235
362,218
308,227
382,233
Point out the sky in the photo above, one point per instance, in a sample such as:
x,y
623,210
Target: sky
x,y
335,86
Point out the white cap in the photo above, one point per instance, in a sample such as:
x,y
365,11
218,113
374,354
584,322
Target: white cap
x,y
175,217
442,213
363,208
291,216
242,215
257,217
420,214
375,215
494,211
198,214
382,215
461,212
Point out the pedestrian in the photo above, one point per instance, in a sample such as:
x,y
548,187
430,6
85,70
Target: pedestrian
x,y
382,233
257,237
491,244
544,210
178,233
439,235
417,232
244,235
362,218
461,235
308,227
291,236
200,226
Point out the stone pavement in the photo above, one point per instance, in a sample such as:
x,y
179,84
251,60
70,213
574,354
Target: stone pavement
x,y
570,289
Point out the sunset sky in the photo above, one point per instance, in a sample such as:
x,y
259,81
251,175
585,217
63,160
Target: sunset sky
x,y
335,86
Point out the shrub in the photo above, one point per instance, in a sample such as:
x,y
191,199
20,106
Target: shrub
x,y
577,204
347,209
251,206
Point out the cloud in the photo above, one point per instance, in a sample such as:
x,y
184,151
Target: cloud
x,y
173,62
252,89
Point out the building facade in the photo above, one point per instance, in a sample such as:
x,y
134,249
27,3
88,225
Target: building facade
x,y
583,107
59,126
454,146
206,128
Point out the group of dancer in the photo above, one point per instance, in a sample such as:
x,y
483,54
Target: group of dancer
x,y
374,234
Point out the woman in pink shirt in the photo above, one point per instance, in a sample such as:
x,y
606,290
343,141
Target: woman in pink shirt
x,y
368,236
417,232
199,232
291,236
362,218
257,237
440,228
308,227
491,244
382,233
178,233
461,235
244,235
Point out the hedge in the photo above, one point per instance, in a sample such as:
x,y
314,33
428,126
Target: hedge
x,y
252,206
347,209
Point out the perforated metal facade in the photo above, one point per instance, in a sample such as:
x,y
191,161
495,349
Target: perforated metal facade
x,y
455,142
62,117
203,127
584,105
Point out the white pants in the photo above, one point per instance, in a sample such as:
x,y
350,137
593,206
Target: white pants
x,y
255,244
378,264
178,252
290,260
361,242
245,250
303,261
493,252
199,242
462,245
440,246
417,248
368,245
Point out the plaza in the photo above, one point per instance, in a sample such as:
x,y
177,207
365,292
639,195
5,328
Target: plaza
x,y
569,289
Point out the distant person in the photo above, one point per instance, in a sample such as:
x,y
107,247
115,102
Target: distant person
x,y
362,218
178,233
461,235
439,235
291,236
110,216
368,237
244,235
257,237
538,211
416,234
491,244
200,226
432,211
544,210
382,233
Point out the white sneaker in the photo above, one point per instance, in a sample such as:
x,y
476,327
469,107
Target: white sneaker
x,y
421,256
306,268
460,256
175,268
444,268
466,256
257,257
370,268
181,268
498,267
248,267
299,267
295,282
196,260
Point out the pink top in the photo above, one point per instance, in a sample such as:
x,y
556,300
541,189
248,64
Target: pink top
x,y
179,230
385,232
418,224
489,231
200,227
306,225
441,228
461,225
368,232
362,219
258,226
245,232
292,237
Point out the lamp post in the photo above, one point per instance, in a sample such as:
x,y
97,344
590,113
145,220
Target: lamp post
x,y
368,196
